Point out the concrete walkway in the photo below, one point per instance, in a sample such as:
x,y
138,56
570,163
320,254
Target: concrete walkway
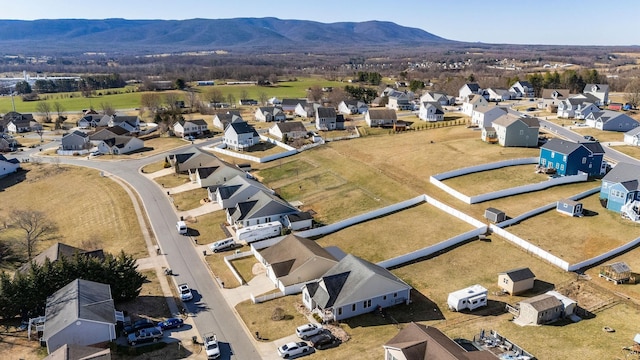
x,y
201,210
159,173
191,185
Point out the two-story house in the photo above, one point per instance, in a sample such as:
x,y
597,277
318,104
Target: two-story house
x,y
326,118
240,136
570,158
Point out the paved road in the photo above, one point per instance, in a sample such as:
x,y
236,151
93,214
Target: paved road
x,y
209,309
609,153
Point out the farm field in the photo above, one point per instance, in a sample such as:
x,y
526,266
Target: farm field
x,y
576,239
124,98
396,234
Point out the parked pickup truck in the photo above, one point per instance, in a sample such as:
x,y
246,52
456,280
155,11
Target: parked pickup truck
x,y
211,346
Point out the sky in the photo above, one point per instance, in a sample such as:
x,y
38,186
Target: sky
x,y
547,22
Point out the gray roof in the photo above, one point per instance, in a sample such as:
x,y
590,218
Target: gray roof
x,y
289,126
382,114
626,174
78,300
261,204
58,250
619,267
354,279
508,119
599,87
240,184
326,112
293,252
633,132
519,274
567,147
79,352
543,302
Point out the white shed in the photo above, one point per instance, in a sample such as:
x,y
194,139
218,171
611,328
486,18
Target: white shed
x,y
471,298
568,304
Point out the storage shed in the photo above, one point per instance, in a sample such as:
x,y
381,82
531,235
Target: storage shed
x,y
516,281
569,207
539,310
471,298
618,272
495,215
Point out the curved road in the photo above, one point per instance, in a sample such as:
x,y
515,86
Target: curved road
x,y
209,309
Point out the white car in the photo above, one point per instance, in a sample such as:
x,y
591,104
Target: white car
x,y
211,346
308,330
294,349
185,292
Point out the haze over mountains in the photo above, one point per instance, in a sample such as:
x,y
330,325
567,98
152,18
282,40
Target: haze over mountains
x,y
239,34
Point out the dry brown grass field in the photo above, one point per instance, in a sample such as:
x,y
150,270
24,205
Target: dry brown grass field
x,y
496,179
633,151
397,234
90,211
602,136
576,239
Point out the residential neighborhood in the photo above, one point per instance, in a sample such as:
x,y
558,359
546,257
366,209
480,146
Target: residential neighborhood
x,y
405,216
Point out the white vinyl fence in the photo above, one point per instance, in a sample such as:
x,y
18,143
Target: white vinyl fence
x,y
604,256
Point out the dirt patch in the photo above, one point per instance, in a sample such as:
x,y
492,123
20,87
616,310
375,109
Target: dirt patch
x,y
587,296
257,269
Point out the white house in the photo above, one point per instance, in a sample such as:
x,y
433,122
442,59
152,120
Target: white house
x,y
184,128
240,135
632,137
473,103
118,145
398,100
442,99
610,120
353,287
80,313
221,120
483,116
351,107
600,91
380,117
499,94
292,130
522,89
8,166
431,111
467,90
270,113
326,118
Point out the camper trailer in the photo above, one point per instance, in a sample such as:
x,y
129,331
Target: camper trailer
x,y
259,232
471,298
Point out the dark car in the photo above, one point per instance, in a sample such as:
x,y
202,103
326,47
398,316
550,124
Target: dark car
x,y
531,109
590,138
145,335
324,341
170,323
140,324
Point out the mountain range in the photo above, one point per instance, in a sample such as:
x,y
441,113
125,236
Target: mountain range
x,y
238,34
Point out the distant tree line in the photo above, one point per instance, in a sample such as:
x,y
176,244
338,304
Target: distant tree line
x,y
370,78
86,83
26,293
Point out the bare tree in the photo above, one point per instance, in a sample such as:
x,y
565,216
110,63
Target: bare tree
x,y
214,96
191,99
59,109
171,99
314,93
231,99
44,108
263,98
633,93
107,108
150,101
35,225
244,94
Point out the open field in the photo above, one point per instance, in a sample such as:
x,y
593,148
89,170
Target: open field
x,y
396,234
121,99
496,179
94,212
633,151
576,239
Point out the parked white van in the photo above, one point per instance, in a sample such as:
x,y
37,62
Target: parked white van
x,y
182,227
222,245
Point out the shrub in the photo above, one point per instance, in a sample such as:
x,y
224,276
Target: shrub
x,y
278,314
317,317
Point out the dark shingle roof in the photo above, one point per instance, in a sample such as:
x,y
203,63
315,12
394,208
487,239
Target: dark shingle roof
x,y
567,147
519,274
242,127
326,112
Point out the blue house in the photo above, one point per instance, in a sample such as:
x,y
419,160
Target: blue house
x,y
621,187
569,158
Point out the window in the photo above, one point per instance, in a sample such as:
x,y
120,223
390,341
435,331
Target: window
x,y
553,154
366,304
564,158
505,280
353,307
395,295
521,132
543,162
384,297
584,160
339,311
